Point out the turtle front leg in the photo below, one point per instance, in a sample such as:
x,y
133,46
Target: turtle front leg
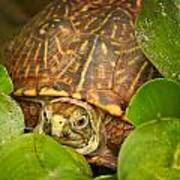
x,y
113,132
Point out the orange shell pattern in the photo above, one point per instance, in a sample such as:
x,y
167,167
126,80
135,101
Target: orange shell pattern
x,y
81,49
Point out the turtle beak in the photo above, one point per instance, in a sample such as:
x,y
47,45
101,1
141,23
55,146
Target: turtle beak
x,y
64,131
59,126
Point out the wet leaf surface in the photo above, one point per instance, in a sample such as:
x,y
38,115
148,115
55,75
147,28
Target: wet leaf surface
x,y
6,85
34,156
155,99
158,34
152,151
11,119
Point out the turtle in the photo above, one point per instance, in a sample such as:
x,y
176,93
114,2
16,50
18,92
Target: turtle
x,y
75,67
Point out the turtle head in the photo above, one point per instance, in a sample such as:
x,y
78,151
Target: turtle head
x,y
73,123
78,124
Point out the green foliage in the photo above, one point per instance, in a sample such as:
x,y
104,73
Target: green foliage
x,y
35,156
158,34
152,151
11,119
155,99
6,85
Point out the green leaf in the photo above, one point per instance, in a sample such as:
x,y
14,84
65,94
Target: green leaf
x,y
155,99
106,177
151,152
77,158
11,119
35,156
6,85
158,34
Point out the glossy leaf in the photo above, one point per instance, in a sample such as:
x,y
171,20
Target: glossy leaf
x,y
35,156
6,85
158,34
152,151
155,99
11,119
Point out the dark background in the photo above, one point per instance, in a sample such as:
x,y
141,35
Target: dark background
x,y
13,15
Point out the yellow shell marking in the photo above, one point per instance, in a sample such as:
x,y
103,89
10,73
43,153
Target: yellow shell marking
x,y
27,71
30,92
18,92
84,46
45,53
35,58
88,62
131,88
58,45
115,28
52,92
111,108
114,109
104,48
76,95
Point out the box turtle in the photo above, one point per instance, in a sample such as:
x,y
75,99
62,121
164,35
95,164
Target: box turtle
x,y
75,67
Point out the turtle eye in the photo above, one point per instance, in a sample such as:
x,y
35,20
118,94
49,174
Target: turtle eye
x,y
81,122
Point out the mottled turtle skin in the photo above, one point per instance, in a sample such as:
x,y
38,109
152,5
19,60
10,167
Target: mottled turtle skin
x,y
75,67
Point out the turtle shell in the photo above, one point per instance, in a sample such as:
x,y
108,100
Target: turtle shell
x,y
81,49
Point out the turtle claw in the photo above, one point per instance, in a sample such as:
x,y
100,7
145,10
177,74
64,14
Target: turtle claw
x,y
106,161
103,158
